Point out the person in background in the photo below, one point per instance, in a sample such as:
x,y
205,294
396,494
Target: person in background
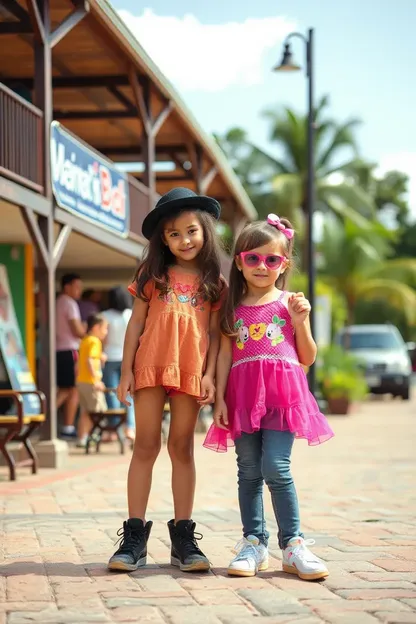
x,y
69,331
89,304
117,316
89,380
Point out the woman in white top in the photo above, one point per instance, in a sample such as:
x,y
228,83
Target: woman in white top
x,y
117,316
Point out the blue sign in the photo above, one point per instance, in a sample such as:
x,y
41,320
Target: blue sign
x,y
87,184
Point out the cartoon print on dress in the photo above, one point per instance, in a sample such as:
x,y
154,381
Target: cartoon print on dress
x,y
274,330
257,330
243,334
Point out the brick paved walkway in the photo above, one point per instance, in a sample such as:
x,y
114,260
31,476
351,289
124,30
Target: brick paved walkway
x,y
358,501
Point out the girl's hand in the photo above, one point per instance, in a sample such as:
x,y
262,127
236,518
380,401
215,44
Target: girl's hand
x,y
207,391
221,414
299,308
125,387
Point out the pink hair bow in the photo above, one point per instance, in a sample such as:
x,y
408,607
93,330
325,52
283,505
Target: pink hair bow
x,y
274,220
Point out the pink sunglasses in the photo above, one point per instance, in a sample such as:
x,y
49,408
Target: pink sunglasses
x,y
271,261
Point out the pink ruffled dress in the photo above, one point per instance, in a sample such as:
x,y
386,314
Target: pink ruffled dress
x,y
267,387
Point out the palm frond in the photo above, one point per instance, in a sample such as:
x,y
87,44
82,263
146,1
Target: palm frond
x,y
343,137
402,270
287,189
351,195
398,295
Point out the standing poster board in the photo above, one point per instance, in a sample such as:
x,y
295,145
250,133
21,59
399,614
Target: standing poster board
x,y
11,346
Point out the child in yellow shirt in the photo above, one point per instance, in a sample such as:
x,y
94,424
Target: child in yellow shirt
x,y
89,384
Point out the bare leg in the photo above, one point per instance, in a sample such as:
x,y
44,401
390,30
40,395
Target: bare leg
x,y
71,406
61,397
84,424
148,407
184,414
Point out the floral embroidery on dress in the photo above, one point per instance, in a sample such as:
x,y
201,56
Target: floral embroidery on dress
x,y
184,293
167,297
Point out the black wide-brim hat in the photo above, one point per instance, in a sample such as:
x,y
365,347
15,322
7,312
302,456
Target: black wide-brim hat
x,y
176,200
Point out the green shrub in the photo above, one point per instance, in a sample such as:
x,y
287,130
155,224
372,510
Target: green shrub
x,y
340,375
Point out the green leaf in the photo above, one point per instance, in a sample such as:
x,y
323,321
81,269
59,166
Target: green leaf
x,y
398,295
352,197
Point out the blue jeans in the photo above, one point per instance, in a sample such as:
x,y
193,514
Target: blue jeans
x,y
111,378
264,456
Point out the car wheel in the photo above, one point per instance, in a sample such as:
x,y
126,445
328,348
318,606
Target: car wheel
x,y
405,393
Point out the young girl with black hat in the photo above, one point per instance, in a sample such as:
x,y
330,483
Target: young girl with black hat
x,y
171,347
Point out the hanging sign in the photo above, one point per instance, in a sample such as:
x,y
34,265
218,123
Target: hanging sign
x,y
87,184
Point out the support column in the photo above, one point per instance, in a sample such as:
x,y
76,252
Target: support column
x,y
142,99
148,146
52,452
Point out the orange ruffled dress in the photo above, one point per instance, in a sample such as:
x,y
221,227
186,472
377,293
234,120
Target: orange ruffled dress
x,y
174,345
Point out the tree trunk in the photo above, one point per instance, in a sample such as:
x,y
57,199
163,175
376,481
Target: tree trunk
x,y
350,311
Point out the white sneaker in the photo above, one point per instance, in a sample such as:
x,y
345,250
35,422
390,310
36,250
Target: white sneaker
x,y
251,557
298,559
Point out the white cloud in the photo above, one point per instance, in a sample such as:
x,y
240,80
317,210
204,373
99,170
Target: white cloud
x,y
208,57
405,162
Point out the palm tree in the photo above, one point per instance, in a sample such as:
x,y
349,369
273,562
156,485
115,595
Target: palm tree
x,y
388,191
281,183
356,263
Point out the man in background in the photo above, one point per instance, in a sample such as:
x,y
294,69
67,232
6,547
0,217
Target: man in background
x,y
69,331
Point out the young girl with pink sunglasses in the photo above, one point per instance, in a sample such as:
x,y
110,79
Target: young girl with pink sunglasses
x,y
263,401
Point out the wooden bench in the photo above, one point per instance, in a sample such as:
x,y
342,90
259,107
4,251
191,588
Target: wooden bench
x,y
101,423
19,427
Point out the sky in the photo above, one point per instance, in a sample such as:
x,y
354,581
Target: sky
x,y
219,55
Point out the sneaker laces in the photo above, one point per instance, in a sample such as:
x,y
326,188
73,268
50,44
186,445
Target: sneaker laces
x,y
244,549
188,540
128,538
302,551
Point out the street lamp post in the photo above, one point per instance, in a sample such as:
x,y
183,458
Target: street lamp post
x,y
287,64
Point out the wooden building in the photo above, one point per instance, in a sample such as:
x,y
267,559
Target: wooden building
x,y
71,73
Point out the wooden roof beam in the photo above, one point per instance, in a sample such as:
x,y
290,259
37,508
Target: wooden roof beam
x,y
162,117
16,10
79,12
135,150
61,115
36,20
207,180
77,82
139,99
15,28
120,97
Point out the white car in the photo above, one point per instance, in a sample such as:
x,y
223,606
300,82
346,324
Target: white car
x,y
384,355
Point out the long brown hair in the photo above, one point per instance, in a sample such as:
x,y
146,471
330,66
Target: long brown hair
x,y
254,235
158,258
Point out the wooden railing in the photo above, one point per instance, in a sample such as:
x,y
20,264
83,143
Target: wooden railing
x,y
140,205
21,140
